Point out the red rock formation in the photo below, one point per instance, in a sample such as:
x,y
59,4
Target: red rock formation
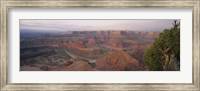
x,y
79,66
114,42
115,33
67,62
75,44
117,61
91,42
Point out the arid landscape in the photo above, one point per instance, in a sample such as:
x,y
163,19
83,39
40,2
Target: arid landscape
x,y
82,50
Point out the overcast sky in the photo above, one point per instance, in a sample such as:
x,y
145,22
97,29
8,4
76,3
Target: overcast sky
x,y
80,25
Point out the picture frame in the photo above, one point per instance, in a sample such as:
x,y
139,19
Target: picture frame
x,y
4,44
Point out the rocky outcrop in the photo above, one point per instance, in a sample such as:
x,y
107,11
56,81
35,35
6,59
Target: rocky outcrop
x,y
148,34
91,42
114,43
75,44
117,61
115,33
79,66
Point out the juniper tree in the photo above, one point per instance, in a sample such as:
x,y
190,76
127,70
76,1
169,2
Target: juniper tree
x,y
164,53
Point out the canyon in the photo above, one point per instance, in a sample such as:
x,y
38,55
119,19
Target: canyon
x,y
85,50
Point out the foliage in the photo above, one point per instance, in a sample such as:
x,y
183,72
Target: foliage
x,y
169,39
152,59
168,43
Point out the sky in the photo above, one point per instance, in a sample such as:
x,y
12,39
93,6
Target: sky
x,y
94,25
